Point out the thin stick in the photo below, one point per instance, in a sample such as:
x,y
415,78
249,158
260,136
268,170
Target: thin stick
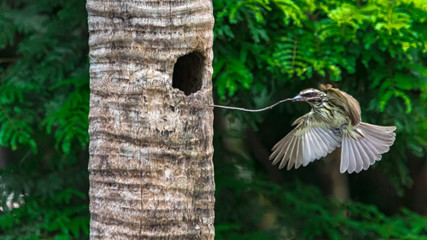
x,y
252,110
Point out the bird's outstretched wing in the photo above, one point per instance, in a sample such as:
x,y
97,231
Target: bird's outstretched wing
x,y
364,145
308,141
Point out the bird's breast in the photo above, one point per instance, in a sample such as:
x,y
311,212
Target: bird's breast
x,y
331,115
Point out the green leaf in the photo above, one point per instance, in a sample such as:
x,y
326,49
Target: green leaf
x,y
405,99
384,99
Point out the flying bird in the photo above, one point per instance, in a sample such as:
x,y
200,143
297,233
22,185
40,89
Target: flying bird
x,y
334,121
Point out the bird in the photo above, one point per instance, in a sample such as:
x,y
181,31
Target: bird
x,y
334,122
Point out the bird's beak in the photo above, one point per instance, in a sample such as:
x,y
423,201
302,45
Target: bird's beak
x,y
298,98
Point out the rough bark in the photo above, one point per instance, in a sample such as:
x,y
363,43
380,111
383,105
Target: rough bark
x,y
151,172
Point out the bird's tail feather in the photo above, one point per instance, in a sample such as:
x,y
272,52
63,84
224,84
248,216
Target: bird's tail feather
x,y
359,153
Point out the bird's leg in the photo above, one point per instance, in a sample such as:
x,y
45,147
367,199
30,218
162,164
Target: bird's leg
x,y
339,131
336,131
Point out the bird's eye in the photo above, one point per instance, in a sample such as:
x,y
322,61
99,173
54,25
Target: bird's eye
x,y
310,94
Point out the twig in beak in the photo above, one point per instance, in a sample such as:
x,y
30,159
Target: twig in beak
x,y
252,110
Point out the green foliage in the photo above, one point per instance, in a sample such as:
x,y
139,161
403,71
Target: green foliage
x,y
71,117
259,209
47,208
375,50
266,51
44,102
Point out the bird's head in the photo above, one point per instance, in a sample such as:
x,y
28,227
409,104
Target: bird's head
x,y
309,95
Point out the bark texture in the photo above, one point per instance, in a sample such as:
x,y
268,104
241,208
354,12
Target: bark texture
x,y
151,172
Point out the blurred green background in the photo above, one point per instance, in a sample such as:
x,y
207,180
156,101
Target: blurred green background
x,y
264,51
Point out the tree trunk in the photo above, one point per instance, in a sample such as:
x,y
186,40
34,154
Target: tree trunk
x,y
337,182
151,172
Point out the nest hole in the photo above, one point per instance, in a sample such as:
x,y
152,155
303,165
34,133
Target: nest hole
x,y
188,73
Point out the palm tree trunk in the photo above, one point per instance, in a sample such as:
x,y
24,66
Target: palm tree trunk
x,y
151,172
